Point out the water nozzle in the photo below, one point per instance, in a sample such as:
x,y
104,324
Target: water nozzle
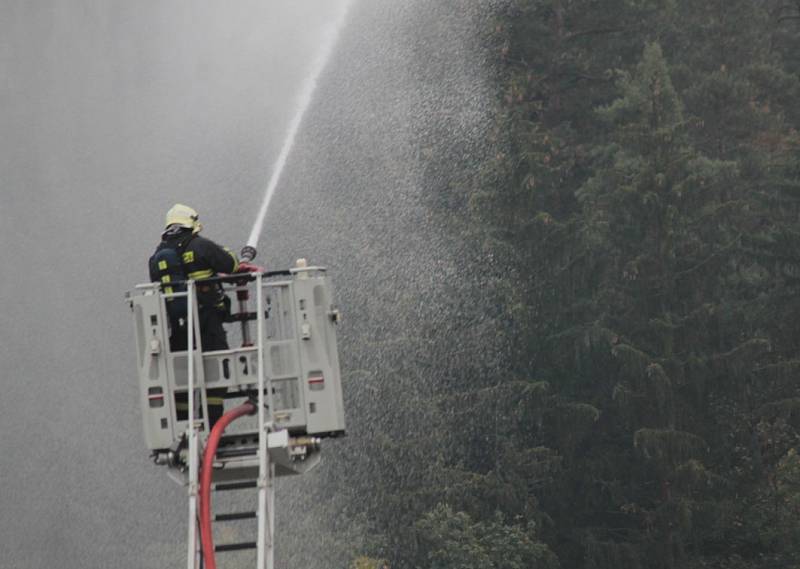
x,y
248,253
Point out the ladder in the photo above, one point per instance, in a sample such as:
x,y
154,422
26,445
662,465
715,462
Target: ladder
x,y
263,479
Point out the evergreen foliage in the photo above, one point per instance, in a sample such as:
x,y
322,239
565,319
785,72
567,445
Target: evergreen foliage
x,y
646,201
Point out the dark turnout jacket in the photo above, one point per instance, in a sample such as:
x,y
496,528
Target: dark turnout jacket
x,y
202,259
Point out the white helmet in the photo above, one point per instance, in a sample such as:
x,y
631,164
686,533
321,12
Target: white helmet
x,y
183,216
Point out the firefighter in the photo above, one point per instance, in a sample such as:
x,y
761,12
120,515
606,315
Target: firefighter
x,y
197,258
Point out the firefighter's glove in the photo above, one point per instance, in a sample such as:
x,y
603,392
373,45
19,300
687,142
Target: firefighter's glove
x,y
245,267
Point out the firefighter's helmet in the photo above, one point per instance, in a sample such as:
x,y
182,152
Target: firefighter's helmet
x,y
184,216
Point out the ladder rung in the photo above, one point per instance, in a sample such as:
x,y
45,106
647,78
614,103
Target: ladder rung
x,y
235,486
234,516
235,546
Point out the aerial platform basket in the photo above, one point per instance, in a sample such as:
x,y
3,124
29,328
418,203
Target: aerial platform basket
x,y
285,375
301,364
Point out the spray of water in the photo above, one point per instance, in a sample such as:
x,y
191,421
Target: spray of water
x,y
304,101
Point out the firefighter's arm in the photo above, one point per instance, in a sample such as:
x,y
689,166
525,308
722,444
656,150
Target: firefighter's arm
x,y
247,267
220,259
153,270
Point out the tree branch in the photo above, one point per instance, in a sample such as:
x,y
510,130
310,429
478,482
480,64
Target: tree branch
x,y
594,32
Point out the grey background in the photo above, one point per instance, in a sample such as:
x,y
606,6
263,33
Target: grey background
x,y
110,111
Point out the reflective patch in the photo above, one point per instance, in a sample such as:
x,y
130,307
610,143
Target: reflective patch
x,y
199,275
235,259
162,265
166,279
188,256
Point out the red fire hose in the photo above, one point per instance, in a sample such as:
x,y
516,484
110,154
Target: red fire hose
x,y
206,537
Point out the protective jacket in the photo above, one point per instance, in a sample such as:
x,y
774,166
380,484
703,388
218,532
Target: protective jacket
x,y
202,259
